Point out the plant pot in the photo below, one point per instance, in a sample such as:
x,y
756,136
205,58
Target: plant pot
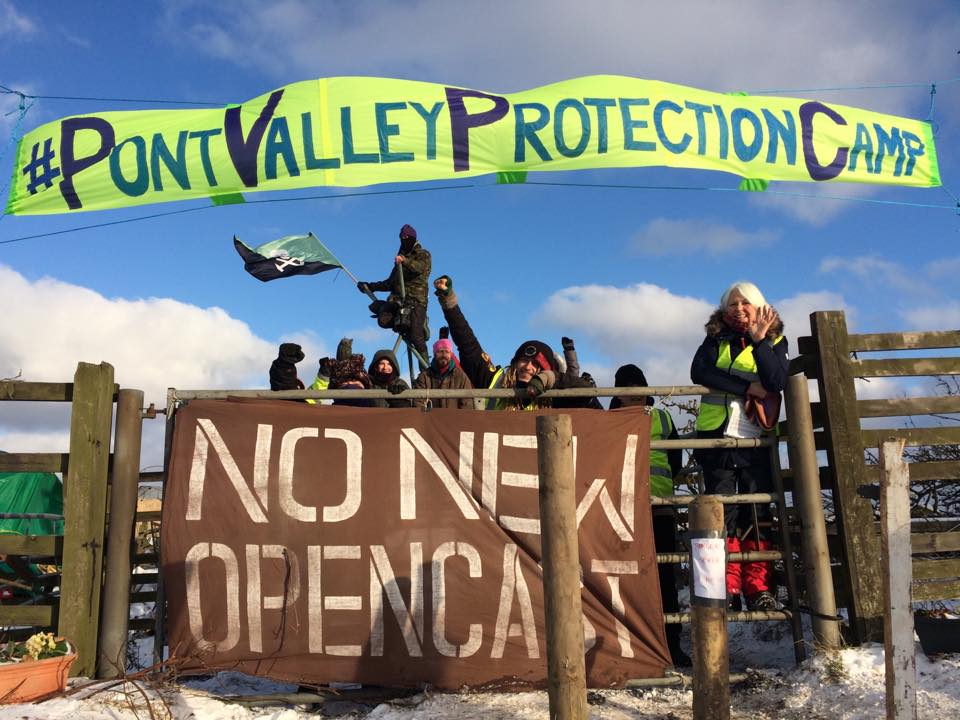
x,y
31,679
937,634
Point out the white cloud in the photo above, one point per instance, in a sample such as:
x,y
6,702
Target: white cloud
x,y
813,203
944,316
944,268
152,343
643,324
875,270
13,23
795,312
749,45
656,329
662,236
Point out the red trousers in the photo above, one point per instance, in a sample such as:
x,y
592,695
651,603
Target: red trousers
x,y
748,577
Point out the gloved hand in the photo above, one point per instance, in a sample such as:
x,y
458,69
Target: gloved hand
x,y
567,343
443,284
395,388
326,367
444,332
532,390
363,287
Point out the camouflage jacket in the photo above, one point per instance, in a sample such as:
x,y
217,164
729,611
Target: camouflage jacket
x,y
416,276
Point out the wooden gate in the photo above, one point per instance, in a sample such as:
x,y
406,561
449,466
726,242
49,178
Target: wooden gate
x,y
831,355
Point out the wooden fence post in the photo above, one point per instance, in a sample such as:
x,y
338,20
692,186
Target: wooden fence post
x,y
899,653
809,503
855,517
124,484
566,675
84,504
708,628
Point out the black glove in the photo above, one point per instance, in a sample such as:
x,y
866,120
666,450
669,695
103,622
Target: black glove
x,y
395,388
363,287
444,332
588,379
448,288
567,343
326,367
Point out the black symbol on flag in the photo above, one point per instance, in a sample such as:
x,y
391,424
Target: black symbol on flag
x,y
291,255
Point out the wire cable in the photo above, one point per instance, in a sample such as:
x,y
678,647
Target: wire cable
x,y
145,101
208,207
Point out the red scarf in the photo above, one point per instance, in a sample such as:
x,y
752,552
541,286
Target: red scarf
x,y
735,324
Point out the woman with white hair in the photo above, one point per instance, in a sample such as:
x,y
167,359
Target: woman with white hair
x,y
744,359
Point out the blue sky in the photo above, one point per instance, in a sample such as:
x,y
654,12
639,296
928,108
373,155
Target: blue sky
x,y
631,274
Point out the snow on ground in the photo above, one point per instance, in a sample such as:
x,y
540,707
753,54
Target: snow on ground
x,y
847,685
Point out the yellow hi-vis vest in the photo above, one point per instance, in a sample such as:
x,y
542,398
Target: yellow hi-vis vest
x,y
319,383
504,403
713,407
661,476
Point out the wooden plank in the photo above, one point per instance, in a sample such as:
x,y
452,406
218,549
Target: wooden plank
x,y
922,471
904,341
844,446
909,406
35,615
899,655
84,501
933,524
935,542
31,545
946,569
943,435
807,345
905,367
934,590
36,391
151,477
34,462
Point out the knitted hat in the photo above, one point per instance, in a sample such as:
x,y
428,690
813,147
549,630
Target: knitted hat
x,y
629,376
746,288
538,352
442,343
407,231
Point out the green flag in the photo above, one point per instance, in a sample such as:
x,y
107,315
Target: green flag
x,y
291,255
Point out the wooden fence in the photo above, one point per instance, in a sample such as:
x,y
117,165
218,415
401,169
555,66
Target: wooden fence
x,y
833,356
92,476
78,612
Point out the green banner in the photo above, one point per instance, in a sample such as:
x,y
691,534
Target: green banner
x,y
356,131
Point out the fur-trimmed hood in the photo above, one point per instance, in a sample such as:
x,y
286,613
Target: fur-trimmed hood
x,y
716,327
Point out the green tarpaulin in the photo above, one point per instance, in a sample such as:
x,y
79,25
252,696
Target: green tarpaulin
x,y
31,493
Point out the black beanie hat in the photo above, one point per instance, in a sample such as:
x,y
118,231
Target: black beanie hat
x,y
629,376
537,351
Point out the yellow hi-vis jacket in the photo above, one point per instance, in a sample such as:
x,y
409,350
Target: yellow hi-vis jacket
x,y
713,407
319,383
504,403
661,476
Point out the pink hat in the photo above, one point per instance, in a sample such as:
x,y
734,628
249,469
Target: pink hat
x,y
442,343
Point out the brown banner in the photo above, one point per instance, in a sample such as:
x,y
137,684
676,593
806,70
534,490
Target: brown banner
x,y
397,547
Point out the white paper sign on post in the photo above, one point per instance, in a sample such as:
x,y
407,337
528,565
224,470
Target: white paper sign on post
x,y
708,559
